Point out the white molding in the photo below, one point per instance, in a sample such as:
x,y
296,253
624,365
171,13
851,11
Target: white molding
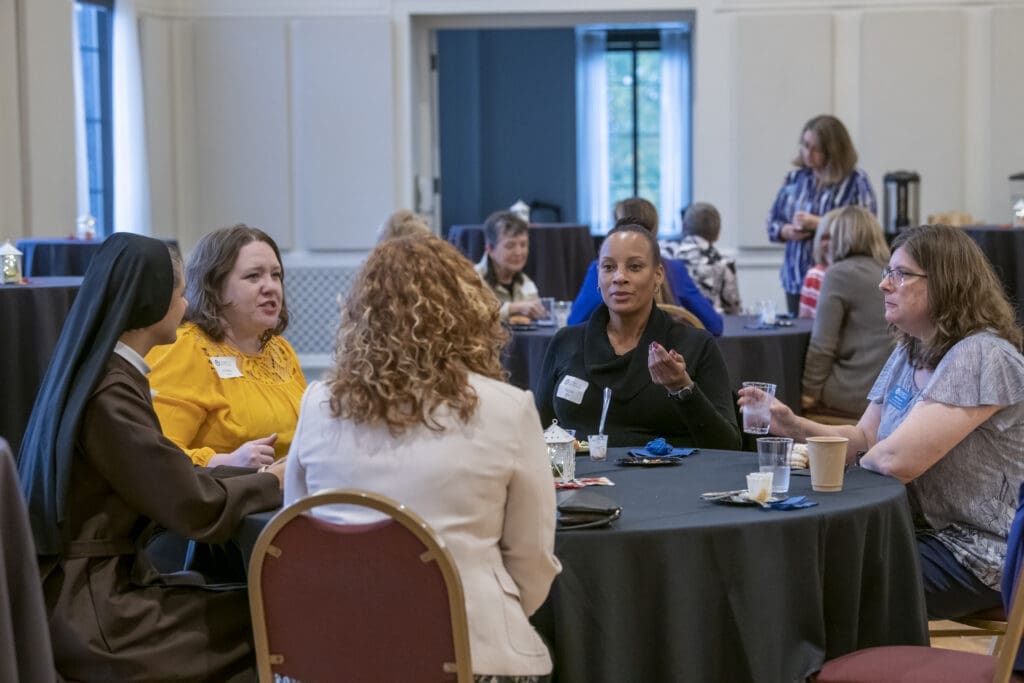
x,y
865,5
261,8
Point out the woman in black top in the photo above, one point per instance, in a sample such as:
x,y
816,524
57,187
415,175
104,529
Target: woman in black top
x,y
667,379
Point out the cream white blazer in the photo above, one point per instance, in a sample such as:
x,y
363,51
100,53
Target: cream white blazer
x,y
484,486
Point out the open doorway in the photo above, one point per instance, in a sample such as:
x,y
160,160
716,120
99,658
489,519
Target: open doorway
x,y
499,99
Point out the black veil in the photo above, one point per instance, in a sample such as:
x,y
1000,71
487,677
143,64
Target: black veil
x,y
127,286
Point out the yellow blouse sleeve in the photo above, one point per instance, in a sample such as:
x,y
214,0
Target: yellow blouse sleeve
x,y
180,379
205,413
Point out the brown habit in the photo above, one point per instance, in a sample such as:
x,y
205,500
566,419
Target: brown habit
x,y
112,615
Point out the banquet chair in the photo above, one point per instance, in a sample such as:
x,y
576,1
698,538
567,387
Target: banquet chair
x,y
378,601
904,664
682,315
989,622
25,650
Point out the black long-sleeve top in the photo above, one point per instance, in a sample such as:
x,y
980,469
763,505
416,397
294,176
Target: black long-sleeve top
x,y
640,409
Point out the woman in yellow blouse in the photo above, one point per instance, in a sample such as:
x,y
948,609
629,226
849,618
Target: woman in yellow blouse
x,y
228,390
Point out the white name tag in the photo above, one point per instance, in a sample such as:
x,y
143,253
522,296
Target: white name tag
x,y
226,366
572,389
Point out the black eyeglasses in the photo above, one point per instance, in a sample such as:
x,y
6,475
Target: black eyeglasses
x,y
898,276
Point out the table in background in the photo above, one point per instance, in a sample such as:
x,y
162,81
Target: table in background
x,y
32,316
524,356
1004,248
560,254
46,257
775,355
680,589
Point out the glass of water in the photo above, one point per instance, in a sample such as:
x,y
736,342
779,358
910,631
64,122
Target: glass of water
x,y
773,456
757,414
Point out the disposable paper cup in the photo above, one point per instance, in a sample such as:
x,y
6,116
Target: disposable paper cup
x,y
827,457
598,446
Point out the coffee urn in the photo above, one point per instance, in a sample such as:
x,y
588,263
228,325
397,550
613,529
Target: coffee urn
x,y
1017,199
902,205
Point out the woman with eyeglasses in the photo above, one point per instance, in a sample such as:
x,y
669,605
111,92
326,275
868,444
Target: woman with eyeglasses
x,y
826,178
946,414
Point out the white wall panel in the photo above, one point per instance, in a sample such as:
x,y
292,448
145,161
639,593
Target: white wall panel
x,y
157,76
47,118
912,104
343,135
1007,111
10,125
782,77
242,162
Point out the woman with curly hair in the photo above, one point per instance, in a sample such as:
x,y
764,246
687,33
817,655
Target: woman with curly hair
x,y
416,409
946,414
227,391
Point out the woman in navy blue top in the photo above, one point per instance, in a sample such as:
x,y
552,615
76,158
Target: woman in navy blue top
x,y
826,178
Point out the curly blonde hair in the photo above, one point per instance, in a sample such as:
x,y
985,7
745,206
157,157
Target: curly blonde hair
x,y
964,295
417,322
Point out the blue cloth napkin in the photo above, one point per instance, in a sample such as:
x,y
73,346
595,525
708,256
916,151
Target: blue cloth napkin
x,y
659,448
791,503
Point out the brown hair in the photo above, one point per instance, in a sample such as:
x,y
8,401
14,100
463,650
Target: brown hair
x,y
855,232
402,223
637,211
418,320
836,145
964,295
209,264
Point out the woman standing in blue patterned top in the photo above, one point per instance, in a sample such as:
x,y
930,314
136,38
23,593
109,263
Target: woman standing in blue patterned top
x,y
826,178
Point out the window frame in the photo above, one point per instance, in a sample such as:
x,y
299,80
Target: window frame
x,y
104,52
634,41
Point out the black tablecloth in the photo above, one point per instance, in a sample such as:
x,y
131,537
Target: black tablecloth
x,y
680,589
1004,248
524,356
684,590
44,257
32,317
560,254
775,356
25,653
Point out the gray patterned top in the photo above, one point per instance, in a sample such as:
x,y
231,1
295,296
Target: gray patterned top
x,y
968,498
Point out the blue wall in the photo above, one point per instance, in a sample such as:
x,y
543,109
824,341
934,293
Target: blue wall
x,y
508,121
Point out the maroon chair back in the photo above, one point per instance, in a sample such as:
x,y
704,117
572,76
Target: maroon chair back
x,y
367,602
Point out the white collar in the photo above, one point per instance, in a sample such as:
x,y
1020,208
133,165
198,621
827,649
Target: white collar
x,y
132,356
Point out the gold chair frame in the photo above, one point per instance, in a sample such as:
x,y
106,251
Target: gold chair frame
x,y
437,552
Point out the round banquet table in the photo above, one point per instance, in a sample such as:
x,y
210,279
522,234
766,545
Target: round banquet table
x,y
684,589
1004,248
32,316
523,358
680,589
560,254
773,355
48,257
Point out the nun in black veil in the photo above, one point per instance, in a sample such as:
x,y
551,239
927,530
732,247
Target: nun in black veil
x,y
99,477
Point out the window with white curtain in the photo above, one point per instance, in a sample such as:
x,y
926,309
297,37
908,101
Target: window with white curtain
x,y
634,113
93,111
